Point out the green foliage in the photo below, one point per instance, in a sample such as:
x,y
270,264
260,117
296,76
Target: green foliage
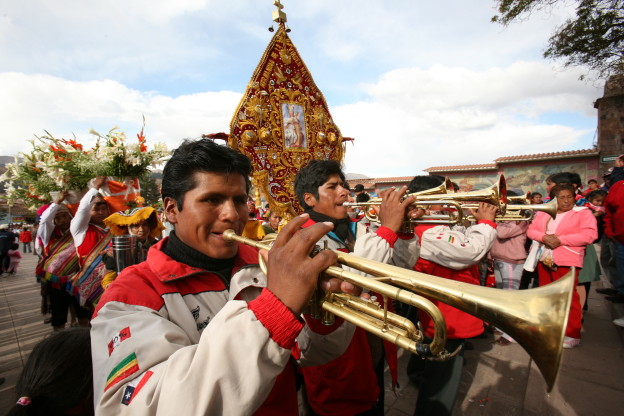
x,y
149,190
594,38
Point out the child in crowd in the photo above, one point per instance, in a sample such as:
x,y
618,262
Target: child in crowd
x,y
594,201
591,266
14,258
535,198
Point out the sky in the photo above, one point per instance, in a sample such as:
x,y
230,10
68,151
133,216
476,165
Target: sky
x,y
416,83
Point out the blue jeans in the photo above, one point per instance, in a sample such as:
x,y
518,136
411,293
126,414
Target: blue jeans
x,y
619,265
508,275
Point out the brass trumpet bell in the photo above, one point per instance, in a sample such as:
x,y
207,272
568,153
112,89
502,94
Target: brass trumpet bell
x,y
535,318
525,212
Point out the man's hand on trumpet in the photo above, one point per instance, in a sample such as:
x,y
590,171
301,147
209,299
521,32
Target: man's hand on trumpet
x,y
394,210
292,273
485,211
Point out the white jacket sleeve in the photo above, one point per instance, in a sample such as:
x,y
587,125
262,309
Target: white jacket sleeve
x,y
80,222
372,246
315,348
456,248
46,224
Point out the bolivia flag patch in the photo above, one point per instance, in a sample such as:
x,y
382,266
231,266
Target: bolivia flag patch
x,y
127,366
451,239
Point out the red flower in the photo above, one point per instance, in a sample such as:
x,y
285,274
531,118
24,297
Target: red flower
x,y
142,141
73,143
57,149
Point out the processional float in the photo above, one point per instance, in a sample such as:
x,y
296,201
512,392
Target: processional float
x,y
283,122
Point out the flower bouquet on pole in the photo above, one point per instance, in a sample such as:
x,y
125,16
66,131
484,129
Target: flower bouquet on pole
x,y
49,168
123,163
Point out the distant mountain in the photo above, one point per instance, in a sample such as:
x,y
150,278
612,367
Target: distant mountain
x,y
350,176
6,159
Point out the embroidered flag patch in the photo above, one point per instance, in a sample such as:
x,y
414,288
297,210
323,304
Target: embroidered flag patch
x,y
134,387
127,397
127,366
121,336
451,239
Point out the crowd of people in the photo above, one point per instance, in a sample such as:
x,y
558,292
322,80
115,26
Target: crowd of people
x,y
188,322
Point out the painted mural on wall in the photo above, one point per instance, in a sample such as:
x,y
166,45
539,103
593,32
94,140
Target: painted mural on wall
x,y
522,179
533,178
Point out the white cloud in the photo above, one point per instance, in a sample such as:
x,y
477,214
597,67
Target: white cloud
x,y
417,84
416,118
32,103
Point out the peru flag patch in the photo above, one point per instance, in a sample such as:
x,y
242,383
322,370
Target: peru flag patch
x,y
117,339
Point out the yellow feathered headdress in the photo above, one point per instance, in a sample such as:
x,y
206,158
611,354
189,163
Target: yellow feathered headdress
x,y
119,221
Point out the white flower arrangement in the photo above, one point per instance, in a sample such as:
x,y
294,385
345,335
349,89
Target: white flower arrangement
x,y
55,165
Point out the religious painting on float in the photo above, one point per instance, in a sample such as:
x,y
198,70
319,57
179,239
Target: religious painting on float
x,y
282,123
293,125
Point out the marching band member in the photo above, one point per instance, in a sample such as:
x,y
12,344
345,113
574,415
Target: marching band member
x,y
198,329
451,253
352,384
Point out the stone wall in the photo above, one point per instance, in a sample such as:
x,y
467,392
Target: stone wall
x,y
611,120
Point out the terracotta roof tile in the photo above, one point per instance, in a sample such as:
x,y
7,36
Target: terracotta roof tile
x,y
394,179
484,166
518,158
546,156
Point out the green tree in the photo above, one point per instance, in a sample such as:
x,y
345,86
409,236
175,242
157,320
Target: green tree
x,y
149,189
594,38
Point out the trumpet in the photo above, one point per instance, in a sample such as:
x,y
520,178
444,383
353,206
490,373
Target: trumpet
x,y
457,204
370,206
535,318
521,199
454,203
525,212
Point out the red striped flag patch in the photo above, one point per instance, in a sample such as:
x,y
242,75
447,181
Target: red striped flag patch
x,y
126,367
121,336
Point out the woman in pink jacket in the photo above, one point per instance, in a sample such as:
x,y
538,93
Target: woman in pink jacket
x,y
564,240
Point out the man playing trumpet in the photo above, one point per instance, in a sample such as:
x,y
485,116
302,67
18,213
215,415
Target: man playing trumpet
x,y
353,383
450,253
198,329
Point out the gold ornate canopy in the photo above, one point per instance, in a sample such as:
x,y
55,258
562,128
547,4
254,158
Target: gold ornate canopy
x,y
283,122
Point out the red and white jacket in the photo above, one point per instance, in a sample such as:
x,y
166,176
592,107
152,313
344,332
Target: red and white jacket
x,y
348,384
454,253
171,339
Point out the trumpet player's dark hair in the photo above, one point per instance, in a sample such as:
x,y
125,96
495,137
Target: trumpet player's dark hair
x,y
424,182
363,197
315,174
202,155
566,177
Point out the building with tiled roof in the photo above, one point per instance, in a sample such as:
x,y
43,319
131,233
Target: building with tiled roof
x,y
523,173
374,185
